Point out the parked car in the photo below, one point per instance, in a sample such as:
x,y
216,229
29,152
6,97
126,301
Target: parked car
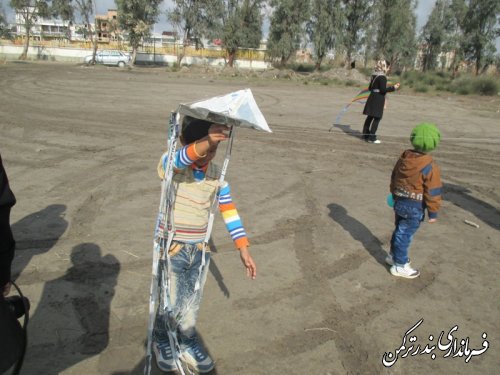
x,y
117,58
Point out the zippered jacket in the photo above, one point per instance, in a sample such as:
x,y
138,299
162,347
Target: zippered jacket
x,y
417,179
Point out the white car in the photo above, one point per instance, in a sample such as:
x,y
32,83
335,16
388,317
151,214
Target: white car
x,y
116,58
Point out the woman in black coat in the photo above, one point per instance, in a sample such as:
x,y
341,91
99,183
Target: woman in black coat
x,y
374,107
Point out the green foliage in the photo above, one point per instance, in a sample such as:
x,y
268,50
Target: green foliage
x,y
437,33
442,81
242,25
197,19
421,88
136,17
485,86
396,38
325,27
4,30
478,21
357,15
350,82
286,28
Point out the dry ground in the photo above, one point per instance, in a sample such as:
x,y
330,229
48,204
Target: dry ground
x,y
81,144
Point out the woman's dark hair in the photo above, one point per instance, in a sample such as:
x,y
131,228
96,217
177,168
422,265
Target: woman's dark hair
x,y
193,129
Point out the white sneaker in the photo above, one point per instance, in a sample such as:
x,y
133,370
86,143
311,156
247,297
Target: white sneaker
x,y
377,142
404,271
390,260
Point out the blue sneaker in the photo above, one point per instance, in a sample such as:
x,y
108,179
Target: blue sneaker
x,y
164,356
195,355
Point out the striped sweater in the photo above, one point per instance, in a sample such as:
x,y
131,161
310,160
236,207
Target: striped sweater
x,y
196,188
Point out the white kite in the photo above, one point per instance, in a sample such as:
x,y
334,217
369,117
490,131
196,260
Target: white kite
x,y
237,109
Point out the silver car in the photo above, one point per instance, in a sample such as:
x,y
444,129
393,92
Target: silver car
x,y
116,58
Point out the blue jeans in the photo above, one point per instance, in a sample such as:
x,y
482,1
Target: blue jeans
x,y
409,215
184,299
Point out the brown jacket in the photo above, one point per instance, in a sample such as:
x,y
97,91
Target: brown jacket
x,y
418,178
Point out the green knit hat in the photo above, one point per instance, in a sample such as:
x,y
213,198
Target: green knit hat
x,y
425,137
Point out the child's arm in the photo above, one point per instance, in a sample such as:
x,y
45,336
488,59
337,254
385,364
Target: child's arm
x,y
236,229
432,190
183,158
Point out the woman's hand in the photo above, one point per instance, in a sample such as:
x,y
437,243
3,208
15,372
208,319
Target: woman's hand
x,y
396,86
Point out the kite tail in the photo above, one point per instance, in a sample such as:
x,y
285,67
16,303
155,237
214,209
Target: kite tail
x,y
339,116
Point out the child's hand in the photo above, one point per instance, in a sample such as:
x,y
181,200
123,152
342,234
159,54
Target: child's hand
x,y
217,133
432,221
248,262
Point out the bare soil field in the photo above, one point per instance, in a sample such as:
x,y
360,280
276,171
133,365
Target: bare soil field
x,y
81,145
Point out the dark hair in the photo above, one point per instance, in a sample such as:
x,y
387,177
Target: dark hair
x,y
193,129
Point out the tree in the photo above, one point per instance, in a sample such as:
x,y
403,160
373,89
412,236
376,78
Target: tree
x,y
87,8
197,20
479,26
287,27
30,11
324,28
436,33
136,17
241,26
357,13
4,29
396,38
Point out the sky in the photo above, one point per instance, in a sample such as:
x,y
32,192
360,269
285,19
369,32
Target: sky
x,y
423,10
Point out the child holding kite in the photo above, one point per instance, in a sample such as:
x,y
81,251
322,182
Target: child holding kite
x,y
415,187
374,107
196,182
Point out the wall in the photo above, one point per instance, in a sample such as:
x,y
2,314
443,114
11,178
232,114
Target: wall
x,y
76,55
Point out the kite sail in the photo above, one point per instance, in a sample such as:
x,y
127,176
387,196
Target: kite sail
x,y
237,108
360,98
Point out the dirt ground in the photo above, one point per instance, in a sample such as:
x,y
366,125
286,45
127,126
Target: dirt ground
x,y
81,144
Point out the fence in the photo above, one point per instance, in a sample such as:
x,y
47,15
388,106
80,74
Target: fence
x,y
165,49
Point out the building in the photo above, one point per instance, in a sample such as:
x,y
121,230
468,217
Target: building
x,y
107,26
43,28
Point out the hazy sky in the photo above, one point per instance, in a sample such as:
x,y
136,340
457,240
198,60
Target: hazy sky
x,y
423,10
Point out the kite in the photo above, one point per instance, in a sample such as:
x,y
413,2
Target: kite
x,y
360,98
236,109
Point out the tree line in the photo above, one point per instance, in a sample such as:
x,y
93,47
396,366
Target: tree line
x,y
466,30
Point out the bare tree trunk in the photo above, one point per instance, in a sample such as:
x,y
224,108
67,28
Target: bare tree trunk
x,y
231,57
24,54
317,65
94,35
181,54
478,62
348,60
134,55
27,26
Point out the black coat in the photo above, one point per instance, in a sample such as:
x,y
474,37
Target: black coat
x,y
7,243
375,104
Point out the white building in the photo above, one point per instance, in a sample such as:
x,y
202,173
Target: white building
x,y
43,28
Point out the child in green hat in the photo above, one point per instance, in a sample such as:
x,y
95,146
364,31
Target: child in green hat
x,y
415,187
